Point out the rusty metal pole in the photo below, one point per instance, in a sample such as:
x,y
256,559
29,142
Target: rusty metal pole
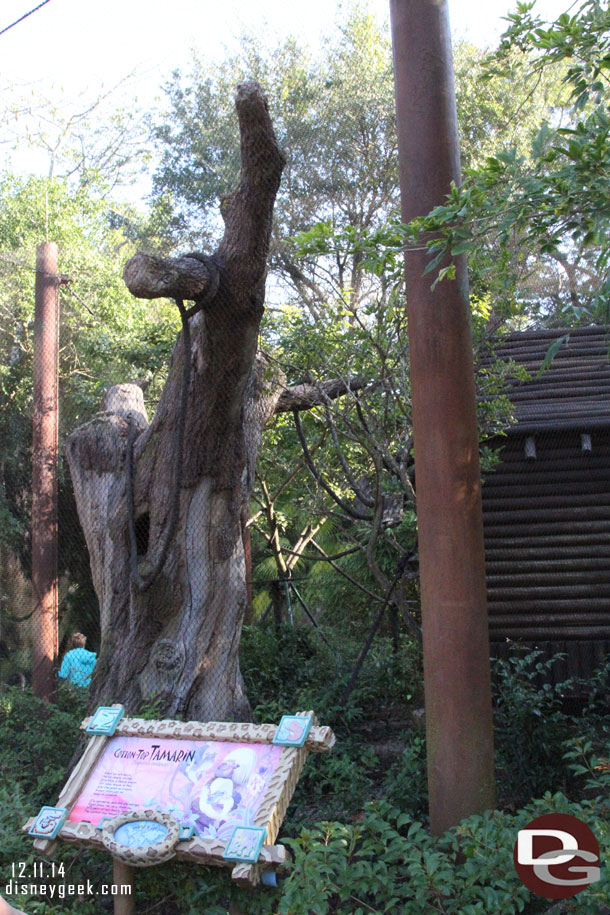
x,y
44,470
451,555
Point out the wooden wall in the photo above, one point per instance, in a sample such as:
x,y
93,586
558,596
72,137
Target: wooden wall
x,y
547,540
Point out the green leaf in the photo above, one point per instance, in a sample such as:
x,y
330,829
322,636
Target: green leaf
x,y
551,353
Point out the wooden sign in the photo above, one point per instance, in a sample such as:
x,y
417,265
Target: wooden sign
x,y
210,792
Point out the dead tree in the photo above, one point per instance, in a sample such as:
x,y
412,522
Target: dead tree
x,y
162,505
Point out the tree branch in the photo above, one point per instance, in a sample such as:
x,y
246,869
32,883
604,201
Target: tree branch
x,y
357,488
247,212
149,277
342,572
348,509
302,283
274,536
306,536
307,395
325,558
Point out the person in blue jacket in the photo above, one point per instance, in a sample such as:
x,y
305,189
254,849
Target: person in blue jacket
x,y
78,663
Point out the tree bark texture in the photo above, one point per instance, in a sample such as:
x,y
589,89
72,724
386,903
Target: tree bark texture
x,y
177,641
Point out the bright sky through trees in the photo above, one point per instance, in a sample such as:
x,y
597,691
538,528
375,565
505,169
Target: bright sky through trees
x,y
69,52
82,44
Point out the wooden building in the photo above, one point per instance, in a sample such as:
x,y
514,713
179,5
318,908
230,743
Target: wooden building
x,y
546,507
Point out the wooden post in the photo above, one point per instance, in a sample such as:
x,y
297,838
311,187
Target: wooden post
x,y
44,470
124,876
452,570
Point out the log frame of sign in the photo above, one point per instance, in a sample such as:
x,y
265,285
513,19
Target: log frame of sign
x,y
269,816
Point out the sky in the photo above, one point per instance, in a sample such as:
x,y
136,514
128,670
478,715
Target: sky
x,y
73,49
80,43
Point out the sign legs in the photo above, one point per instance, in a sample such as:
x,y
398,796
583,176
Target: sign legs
x,y
123,877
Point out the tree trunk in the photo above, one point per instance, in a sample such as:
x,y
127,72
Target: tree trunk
x,y
176,642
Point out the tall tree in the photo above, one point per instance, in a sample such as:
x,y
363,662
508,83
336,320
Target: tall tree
x,y
106,335
171,616
545,212
92,139
334,113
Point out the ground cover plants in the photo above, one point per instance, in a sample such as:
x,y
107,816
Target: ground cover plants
x,y
357,827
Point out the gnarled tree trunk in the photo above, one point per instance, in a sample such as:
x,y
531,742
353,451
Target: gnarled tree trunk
x,y
177,640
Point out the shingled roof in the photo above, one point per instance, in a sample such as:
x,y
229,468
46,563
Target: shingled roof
x,y
573,389
546,507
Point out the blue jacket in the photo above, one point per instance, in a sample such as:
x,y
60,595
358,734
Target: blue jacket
x,y
77,666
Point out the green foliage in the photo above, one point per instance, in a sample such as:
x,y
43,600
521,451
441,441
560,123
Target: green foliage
x,y
280,666
28,748
333,116
530,726
502,109
86,140
37,740
287,669
405,785
335,786
350,854
535,722
106,337
547,206
151,709
580,38
389,863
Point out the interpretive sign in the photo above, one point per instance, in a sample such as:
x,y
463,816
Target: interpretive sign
x,y
211,792
211,785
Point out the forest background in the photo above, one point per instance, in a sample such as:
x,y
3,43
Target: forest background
x,y
332,521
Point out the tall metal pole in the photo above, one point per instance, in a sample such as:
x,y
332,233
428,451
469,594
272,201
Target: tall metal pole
x,y
44,470
452,570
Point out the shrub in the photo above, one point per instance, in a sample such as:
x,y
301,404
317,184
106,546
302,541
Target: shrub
x,y
366,856
389,863
405,786
530,727
37,741
290,668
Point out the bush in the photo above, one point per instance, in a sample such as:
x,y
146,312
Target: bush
x,y
365,856
288,669
292,669
37,741
530,728
389,863
405,786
